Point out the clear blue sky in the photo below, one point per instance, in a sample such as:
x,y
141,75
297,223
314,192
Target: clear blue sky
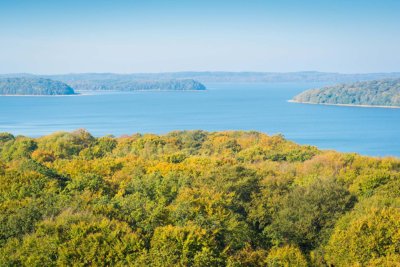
x,y
58,36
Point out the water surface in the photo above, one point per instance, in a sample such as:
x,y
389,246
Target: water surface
x,y
261,107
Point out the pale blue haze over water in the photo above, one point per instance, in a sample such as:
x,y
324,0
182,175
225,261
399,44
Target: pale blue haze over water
x,y
260,107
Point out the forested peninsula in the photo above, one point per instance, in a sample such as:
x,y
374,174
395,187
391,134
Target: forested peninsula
x,y
33,86
194,198
385,93
28,84
135,85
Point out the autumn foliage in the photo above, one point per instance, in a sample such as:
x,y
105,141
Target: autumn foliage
x,y
194,198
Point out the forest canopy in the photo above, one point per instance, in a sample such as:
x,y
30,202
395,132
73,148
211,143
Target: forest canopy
x,y
194,198
375,93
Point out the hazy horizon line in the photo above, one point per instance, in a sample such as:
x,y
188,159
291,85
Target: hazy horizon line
x,y
206,71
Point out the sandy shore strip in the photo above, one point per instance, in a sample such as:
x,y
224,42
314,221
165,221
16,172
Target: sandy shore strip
x,y
344,105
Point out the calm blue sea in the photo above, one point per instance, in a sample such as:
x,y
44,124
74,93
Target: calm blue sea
x,y
261,107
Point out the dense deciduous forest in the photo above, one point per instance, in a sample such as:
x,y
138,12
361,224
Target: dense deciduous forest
x,y
378,93
194,198
33,86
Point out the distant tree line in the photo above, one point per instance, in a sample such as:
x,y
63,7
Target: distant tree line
x,y
379,92
223,76
33,86
135,85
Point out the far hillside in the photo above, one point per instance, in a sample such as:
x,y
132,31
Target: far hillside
x,y
372,93
109,82
118,84
33,86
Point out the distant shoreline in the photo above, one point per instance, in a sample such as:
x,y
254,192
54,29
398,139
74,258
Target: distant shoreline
x,y
93,92
344,105
76,94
